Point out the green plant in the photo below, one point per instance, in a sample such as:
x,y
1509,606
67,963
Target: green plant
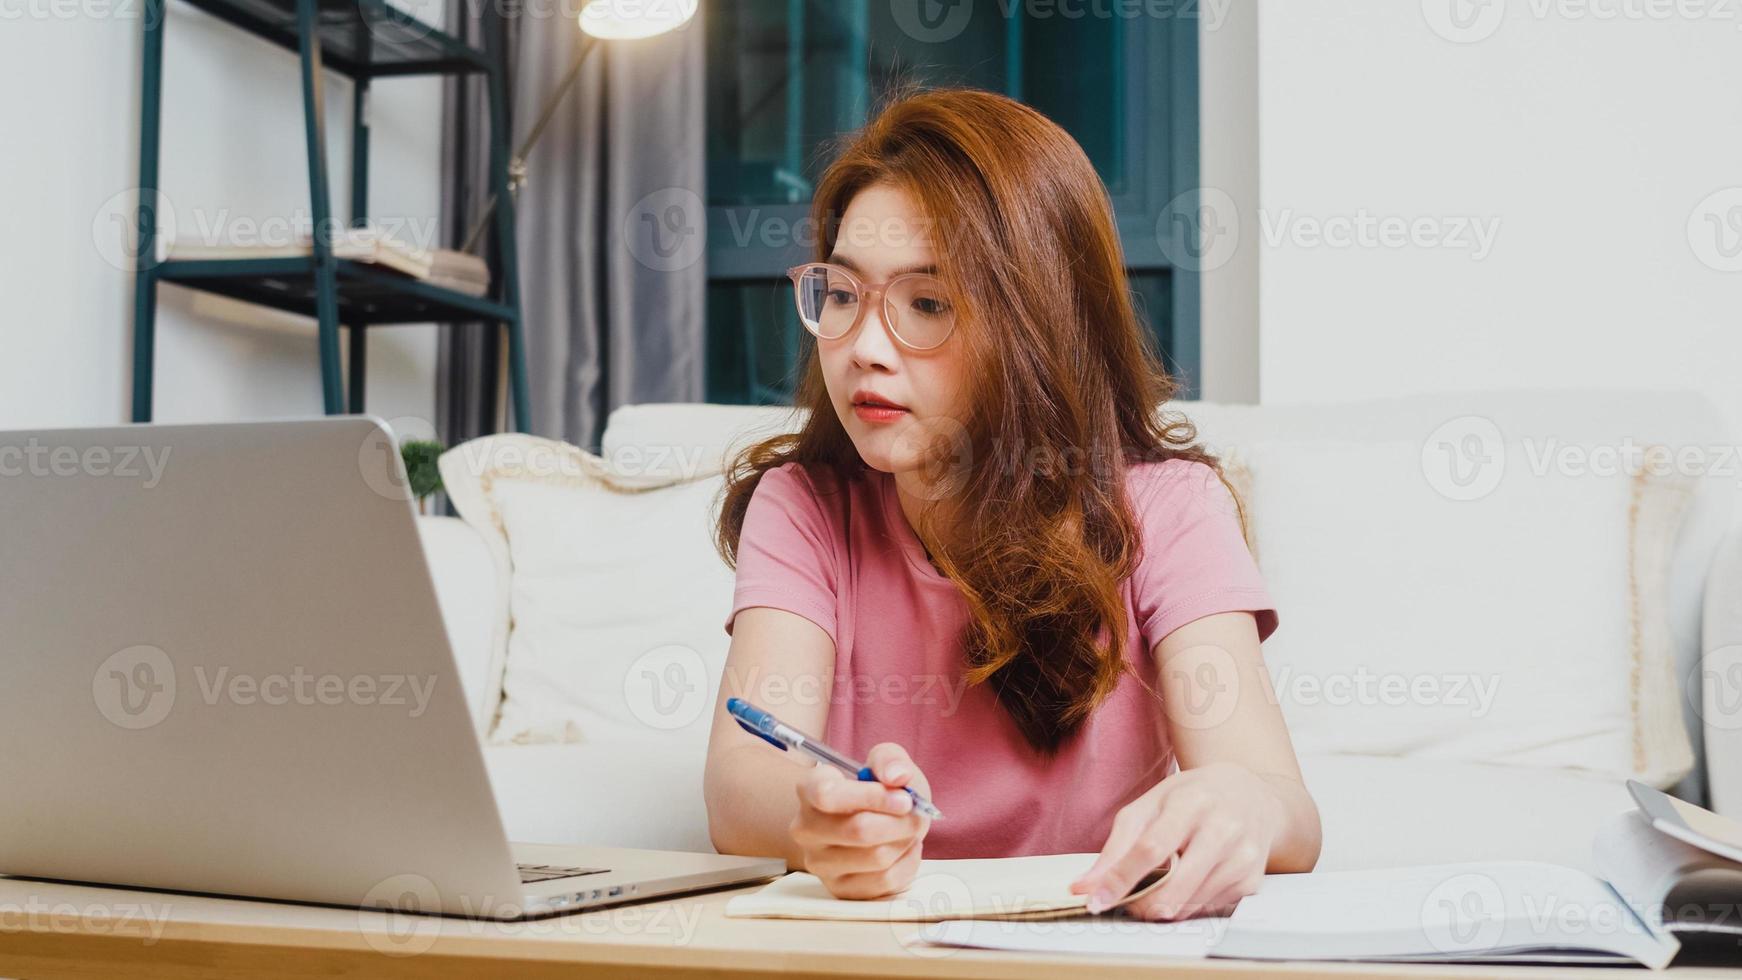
x,y
420,466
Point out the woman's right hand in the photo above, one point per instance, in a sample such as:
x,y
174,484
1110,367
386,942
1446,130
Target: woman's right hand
x,y
862,838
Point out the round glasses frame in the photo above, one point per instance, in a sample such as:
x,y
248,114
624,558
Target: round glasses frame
x,y
867,291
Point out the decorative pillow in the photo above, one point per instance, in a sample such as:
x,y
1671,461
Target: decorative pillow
x,y
1526,626
616,594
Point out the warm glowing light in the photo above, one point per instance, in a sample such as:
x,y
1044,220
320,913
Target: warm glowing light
x,y
626,19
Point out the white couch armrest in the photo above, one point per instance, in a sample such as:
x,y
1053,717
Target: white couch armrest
x,y
1721,677
466,584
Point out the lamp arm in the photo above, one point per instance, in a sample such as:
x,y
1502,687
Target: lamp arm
x,y
517,163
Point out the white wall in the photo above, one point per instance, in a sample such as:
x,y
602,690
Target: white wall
x,y
1585,142
232,152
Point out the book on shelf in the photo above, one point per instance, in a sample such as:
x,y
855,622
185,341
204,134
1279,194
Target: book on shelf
x,y
458,271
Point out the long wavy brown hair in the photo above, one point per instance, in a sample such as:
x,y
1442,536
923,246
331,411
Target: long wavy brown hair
x,y
1067,390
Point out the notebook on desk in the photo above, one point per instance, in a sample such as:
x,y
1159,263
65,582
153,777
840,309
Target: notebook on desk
x,y
972,888
1653,886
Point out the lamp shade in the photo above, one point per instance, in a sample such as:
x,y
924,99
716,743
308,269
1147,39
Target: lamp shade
x,y
625,19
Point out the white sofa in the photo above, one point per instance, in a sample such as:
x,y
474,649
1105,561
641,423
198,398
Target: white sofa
x,y
1394,808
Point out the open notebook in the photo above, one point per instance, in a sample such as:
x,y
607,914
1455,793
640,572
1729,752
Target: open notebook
x,y
1654,884
970,888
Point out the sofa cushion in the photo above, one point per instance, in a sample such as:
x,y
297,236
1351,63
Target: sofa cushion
x,y
616,593
1391,812
1583,421
474,607
603,794
1523,624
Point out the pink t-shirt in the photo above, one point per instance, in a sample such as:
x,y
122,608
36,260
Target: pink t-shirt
x,y
850,563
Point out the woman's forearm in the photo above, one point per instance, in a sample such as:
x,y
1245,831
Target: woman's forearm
x,y
1296,848
752,799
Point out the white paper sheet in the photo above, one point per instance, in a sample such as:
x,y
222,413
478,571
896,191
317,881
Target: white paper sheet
x,y
1107,935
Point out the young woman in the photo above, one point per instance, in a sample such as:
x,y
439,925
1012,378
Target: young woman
x,y
985,564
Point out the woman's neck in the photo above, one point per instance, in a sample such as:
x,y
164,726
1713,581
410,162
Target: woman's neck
x,y
912,506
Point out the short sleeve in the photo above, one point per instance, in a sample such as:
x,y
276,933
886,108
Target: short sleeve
x,y
787,556
1195,561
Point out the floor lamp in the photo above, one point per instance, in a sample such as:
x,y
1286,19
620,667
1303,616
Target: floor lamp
x,y
600,20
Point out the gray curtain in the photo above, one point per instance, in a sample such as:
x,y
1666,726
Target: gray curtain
x,y
611,218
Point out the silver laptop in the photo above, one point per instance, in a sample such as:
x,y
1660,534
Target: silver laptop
x,y
224,670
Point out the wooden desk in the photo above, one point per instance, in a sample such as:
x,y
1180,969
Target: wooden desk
x,y
50,930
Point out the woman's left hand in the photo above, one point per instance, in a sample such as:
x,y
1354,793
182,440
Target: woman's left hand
x,y
1217,822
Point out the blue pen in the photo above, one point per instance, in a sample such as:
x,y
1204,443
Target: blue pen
x,y
782,736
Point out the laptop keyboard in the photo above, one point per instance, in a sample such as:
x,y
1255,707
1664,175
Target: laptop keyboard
x,y
533,873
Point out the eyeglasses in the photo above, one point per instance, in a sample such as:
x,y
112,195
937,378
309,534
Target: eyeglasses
x,y
832,301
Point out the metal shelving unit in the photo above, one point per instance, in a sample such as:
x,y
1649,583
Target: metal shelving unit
x,y
363,40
